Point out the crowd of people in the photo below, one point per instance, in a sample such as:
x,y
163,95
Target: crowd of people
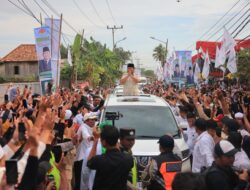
x,y
55,142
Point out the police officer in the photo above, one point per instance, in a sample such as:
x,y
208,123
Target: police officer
x,y
127,141
163,168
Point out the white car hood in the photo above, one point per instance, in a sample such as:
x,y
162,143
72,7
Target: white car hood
x,y
149,147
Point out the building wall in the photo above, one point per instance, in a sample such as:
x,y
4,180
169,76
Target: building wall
x,y
2,70
34,85
27,70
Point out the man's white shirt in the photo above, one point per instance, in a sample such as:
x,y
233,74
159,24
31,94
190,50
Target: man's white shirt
x,y
203,152
191,137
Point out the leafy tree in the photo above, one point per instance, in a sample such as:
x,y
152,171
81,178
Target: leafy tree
x,y
244,65
148,73
94,62
63,51
160,53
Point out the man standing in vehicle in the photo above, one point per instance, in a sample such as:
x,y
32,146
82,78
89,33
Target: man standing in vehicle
x,y
130,81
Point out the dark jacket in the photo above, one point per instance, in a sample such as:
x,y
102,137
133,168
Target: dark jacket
x,y
112,170
220,178
44,66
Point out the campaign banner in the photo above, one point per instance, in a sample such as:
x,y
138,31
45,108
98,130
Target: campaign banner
x,y
55,28
43,49
182,66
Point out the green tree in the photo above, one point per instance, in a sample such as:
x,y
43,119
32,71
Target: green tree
x,y
243,65
63,51
160,53
148,73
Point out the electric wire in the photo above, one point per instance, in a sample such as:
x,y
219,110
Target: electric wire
x,y
110,11
98,15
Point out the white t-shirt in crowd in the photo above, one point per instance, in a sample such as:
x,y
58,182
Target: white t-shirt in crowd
x,y
241,160
203,152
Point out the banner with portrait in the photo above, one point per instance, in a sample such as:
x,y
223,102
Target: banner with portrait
x,y
182,67
55,28
43,50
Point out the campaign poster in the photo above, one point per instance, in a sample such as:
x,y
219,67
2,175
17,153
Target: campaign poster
x,y
183,69
55,28
43,49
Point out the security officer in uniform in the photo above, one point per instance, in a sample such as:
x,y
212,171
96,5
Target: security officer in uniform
x,y
163,168
127,141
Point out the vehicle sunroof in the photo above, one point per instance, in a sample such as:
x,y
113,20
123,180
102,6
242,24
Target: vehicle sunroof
x,y
133,99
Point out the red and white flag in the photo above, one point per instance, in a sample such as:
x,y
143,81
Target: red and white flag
x,y
206,66
231,64
197,73
227,41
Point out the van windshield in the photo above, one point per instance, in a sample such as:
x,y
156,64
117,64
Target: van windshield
x,y
148,121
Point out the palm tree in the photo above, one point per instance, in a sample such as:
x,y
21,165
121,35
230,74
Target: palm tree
x,y
160,54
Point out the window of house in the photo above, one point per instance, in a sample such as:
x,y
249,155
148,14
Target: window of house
x,y
16,70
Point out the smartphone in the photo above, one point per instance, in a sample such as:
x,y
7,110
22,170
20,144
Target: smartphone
x,y
57,150
6,98
59,111
25,103
21,131
11,171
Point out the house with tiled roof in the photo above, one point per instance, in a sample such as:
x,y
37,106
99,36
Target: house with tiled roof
x,y
20,64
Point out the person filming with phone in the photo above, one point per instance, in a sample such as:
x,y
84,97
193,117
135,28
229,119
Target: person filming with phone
x,y
130,81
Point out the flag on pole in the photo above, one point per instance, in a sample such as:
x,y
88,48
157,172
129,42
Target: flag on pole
x,y
206,66
231,64
221,56
203,54
227,41
217,63
197,72
69,57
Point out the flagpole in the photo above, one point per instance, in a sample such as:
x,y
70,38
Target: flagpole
x,y
58,55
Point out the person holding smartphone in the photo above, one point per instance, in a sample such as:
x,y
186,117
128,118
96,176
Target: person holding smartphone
x,y
130,81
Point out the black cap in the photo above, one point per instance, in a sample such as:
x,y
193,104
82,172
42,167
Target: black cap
x,y
127,133
166,141
224,148
45,49
131,65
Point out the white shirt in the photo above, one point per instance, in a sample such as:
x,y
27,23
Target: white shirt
x,y
84,132
130,87
203,152
191,137
78,119
241,160
243,132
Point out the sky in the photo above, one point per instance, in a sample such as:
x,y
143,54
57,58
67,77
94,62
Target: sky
x,y
181,23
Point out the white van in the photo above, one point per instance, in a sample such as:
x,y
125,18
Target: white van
x,y
151,117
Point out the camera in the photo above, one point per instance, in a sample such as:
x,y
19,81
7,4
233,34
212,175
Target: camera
x,y
113,116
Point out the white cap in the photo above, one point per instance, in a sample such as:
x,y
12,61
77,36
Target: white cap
x,y
68,114
90,115
239,115
225,148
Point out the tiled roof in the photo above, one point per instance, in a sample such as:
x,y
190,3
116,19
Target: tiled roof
x,y
24,52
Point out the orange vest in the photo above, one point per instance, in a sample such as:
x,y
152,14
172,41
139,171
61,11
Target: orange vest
x,y
168,171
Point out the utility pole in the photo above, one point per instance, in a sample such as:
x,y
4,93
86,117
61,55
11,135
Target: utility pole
x,y
113,33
